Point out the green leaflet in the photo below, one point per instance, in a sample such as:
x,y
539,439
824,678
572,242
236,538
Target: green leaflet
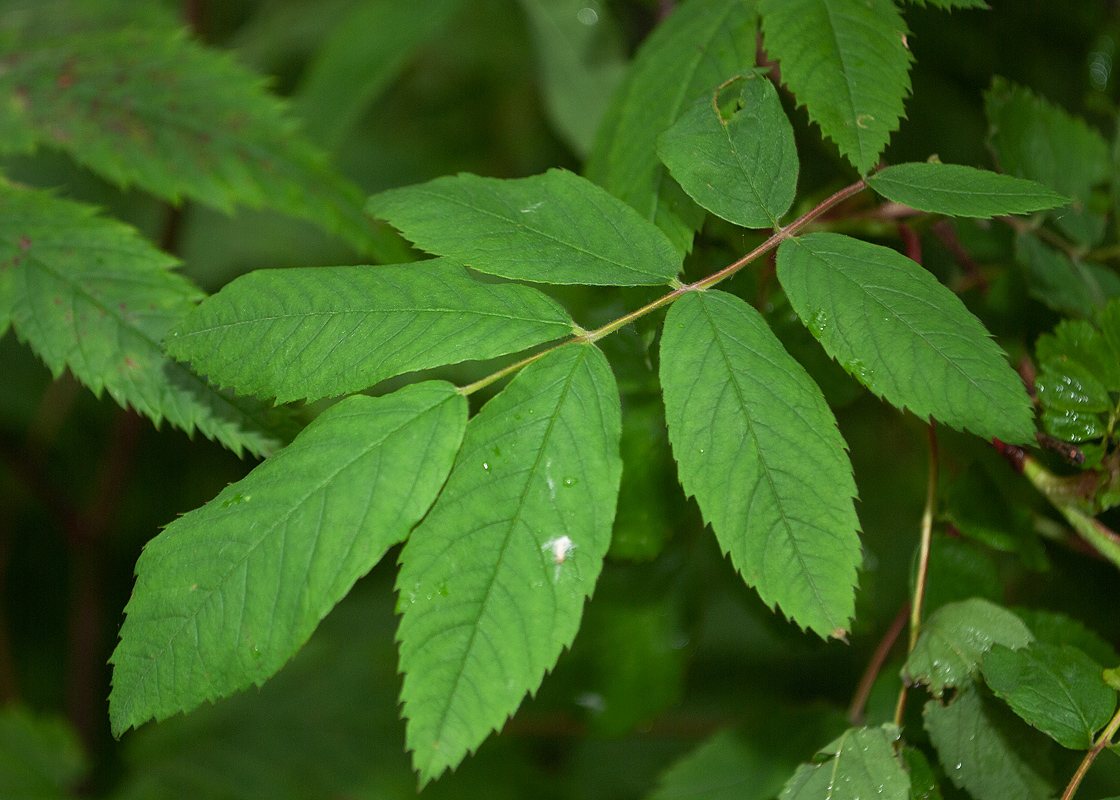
x,y
702,43
1069,286
367,49
155,109
326,331
759,448
848,63
1035,139
88,293
904,335
743,168
955,638
40,757
961,191
226,594
582,61
550,228
492,583
1058,690
984,750
860,763
1058,629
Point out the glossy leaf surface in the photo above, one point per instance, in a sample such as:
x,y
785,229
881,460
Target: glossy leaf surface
x,y
954,640
904,335
961,191
312,333
226,594
758,446
847,63
493,582
550,228
91,295
742,168
1058,690
860,763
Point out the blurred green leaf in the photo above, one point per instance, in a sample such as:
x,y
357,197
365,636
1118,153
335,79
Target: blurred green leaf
x,y
904,335
985,750
229,592
741,165
955,638
155,109
975,505
581,60
1035,139
957,571
91,295
701,44
847,63
961,191
550,228
1058,690
860,763
365,52
644,520
1058,629
327,331
1067,286
492,583
754,441
41,758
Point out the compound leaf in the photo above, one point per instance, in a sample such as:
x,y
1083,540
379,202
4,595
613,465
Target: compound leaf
x,y
550,228
701,44
904,335
226,594
955,638
154,109
1058,690
860,763
848,63
759,448
744,167
962,191
312,333
985,750
492,583
90,294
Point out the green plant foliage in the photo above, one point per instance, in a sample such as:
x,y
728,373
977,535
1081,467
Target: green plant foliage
x,y
700,45
88,294
366,50
312,333
958,571
1067,285
154,109
1035,139
955,638
980,512
752,433
1058,690
983,752
742,167
40,757
228,593
903,335
950,4
961,191
848,63
860,763
492,583
1060,630
550,228
581,61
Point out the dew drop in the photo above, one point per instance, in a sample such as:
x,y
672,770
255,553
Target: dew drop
x,y
588,16
485,465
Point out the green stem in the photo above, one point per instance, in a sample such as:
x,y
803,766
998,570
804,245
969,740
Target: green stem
x,y
680,290
1103,741
923,561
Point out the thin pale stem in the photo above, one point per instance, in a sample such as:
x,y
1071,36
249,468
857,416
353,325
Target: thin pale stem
x,y
923,560
679,291
875,665
1103,741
